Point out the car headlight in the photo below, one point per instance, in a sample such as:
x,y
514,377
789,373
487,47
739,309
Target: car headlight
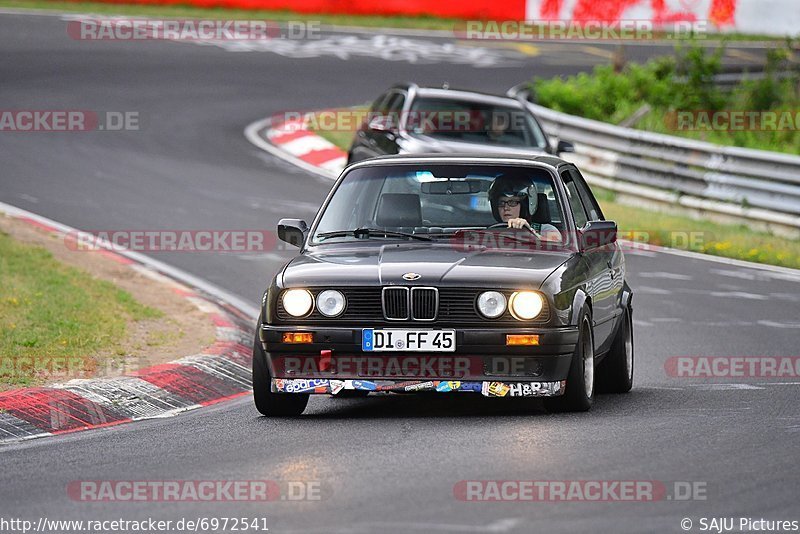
x,y
492,304
330,303
526,305
297,302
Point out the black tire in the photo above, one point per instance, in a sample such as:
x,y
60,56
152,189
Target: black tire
x,y
268,403
618,364
579,394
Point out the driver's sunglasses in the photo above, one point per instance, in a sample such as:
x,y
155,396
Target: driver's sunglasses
x,y
509,203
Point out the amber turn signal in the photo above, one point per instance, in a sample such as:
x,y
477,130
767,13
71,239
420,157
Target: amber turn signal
x,y
298,337
522,339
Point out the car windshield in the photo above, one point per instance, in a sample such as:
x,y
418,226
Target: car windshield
x,y
474,122
433,202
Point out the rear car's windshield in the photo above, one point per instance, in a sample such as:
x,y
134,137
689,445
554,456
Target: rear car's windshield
x,y
433,201
474,122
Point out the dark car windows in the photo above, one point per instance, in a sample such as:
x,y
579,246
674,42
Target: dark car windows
x,y
575,203
589,202
475,122
432,199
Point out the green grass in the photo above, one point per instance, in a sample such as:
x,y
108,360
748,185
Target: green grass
x,y
675,231
684,83
339,134
647,226
49,310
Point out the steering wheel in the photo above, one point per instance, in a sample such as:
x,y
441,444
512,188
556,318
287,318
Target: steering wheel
x,y
499,225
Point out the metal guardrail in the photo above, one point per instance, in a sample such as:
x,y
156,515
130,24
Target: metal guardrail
x,y
746,184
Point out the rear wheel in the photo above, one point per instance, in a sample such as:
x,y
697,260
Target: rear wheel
x,y
268,403
579,394
618,365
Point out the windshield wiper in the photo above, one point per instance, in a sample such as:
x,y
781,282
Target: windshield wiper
x,y
362,233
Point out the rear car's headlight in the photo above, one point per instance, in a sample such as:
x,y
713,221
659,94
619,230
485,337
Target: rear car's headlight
x,y
526,305
297,302
492,304
330,303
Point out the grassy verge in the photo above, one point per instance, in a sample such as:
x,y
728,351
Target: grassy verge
x,y
421,22
52,314
730,241
684,100
340,133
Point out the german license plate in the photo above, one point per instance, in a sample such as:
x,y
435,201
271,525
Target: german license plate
x,y
393,340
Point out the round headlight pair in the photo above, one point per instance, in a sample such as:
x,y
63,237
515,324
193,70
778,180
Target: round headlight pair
x,y
300,302
524,305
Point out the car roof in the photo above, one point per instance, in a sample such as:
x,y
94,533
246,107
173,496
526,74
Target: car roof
x,y
459,94
458,158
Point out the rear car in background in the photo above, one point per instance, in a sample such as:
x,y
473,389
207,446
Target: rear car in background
x,y
408,119
414,277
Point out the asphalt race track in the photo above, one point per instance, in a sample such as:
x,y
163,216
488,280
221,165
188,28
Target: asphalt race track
x,y
388,463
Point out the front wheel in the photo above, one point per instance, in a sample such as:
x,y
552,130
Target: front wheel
x,y
579,394
269,403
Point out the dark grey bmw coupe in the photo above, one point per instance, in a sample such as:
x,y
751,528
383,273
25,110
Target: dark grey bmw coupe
x,y
495,275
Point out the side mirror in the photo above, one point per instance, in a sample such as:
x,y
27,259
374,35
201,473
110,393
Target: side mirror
x,y
598,234
293,231
564,146
382,123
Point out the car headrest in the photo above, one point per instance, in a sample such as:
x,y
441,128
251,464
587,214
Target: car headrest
x,y
542,214
399,209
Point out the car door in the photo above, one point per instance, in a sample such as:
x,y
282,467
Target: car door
x,y
600,285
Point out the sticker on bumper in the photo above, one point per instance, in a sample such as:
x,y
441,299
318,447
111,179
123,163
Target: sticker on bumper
x,y
486,388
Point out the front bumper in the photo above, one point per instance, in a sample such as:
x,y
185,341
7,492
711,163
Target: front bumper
x,y
486,388
482,362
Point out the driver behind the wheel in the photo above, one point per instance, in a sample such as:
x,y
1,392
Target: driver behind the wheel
x,y
515,200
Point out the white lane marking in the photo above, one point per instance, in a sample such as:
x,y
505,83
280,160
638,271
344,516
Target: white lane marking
x,y
726,387
29,198
166,269
665,275
647,290
666,319
385,47
734,274
775,324
738,295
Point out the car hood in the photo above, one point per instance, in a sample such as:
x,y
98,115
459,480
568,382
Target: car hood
x,y
438,265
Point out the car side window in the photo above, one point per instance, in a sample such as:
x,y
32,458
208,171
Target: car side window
x,y
589,202
379,104
395,103
575,204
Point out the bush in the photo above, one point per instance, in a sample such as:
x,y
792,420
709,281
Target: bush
x,y
682,82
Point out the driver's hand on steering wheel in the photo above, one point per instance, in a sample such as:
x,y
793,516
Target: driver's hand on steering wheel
x,y
520,223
